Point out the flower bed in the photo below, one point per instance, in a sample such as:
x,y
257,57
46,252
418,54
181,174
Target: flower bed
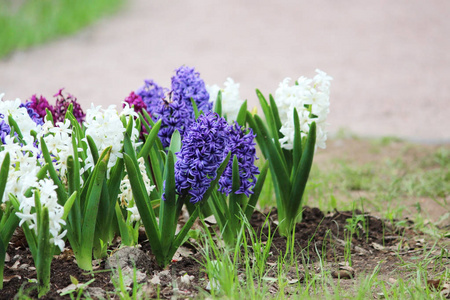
x,y
82,179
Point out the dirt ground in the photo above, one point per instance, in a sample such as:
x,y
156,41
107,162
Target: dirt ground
x,y
390,59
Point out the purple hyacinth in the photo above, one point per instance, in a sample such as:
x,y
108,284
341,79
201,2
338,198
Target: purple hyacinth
x,y
4,128
151,94
241,143
174,115
203,150
136,102
39,104
32,113
187,84
62,104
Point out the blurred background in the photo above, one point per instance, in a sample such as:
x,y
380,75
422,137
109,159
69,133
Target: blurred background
x,y
390,60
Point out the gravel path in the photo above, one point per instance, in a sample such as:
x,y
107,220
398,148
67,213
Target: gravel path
x,y
390,59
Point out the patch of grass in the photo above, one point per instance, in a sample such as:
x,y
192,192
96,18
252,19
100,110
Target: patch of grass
x,y
24,23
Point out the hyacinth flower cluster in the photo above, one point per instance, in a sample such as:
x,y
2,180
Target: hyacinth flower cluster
x,y
175,107
311,99
204,148
294,127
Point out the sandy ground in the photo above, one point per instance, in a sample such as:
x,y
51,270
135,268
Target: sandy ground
x,y
390,59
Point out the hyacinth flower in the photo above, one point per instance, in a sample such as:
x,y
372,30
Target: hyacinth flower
x,y
210,131
40,105
62,104
188,87
151,94
296,121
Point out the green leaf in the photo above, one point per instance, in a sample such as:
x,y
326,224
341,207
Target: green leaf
x,y
297,147
168,207
301,177
142,201
91,210
175,142
242,114
256,191
4,174
218,104
194,106
153,134
181,236
45,253
93,147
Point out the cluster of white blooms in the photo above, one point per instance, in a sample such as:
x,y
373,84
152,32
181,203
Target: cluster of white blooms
x,y
126,194
49,199
59,143
24,166
106,129
311,98
231,99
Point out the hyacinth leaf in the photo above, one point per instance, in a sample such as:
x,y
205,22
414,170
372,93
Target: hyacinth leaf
x,y
275,113
91,210
124,228
195,108
234,203
168,207
242,114
93,147
270,119
45,251
175,142
2,259
141,200
77,135
73,180
218,104
147,118
4,175
301,176
68,205
259,137
219,209
14,127
144,123
60,190
49,116
153,134
181,237
297,147
250,207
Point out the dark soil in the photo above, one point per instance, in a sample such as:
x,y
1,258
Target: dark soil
x,y
317,235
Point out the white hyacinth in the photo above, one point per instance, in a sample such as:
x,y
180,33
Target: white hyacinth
x,y
106,129
231,98
311,98
49,199
126,194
